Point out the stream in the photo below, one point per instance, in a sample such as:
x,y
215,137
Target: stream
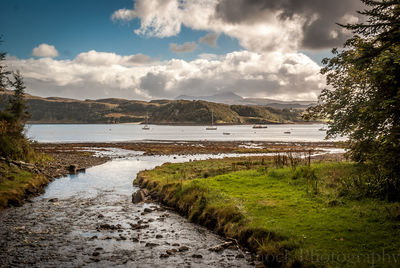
x,y
88,220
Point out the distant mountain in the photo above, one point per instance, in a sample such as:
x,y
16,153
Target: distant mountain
x,y
232,98
225,97
113,110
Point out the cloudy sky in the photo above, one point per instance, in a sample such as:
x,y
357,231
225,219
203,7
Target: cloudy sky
x,y
152,49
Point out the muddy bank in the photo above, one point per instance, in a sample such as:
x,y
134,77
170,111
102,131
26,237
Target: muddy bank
x,y
22,181
60,161
193,147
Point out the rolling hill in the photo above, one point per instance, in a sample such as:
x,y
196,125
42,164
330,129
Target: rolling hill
x,y
113,110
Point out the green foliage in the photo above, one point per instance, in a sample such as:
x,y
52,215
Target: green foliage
x,y
13,143
278,212
363,98
16,184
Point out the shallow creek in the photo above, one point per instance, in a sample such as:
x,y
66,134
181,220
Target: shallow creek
x,y
88,219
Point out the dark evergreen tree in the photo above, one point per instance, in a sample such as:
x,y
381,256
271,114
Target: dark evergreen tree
x,y
13,143
17,106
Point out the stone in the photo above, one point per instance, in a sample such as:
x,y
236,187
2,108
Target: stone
x,y
239,256
164,255
171,251
159,236
183,248
73,168
138,197
150,244
197,256
147,210
221,247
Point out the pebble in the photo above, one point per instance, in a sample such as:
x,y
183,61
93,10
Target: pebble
x,y
150,244
171,251
183,248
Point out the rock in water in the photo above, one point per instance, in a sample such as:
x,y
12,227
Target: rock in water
x,y
138,197
73,168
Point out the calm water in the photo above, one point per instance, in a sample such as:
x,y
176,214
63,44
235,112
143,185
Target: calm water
x,y
133,132
117,175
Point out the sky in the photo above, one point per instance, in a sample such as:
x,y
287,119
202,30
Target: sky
x,y
155,49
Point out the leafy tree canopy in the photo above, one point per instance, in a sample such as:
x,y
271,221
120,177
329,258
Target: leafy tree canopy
x,y
362,99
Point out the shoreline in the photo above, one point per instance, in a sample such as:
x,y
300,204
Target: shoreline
x,y
172,123
37,176
153,147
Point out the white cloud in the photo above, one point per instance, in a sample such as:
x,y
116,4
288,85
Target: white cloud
x,y
105,58
123,14
99,74
209,39
158,17
164,18
45,50
184,48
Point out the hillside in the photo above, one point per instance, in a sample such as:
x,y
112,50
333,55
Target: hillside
x,y
234,99
113,110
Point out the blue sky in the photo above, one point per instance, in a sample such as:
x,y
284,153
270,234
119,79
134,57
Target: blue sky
x,y
149,49
76,26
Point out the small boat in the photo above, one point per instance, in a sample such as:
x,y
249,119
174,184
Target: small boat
x,y
287,132
226,133
322,128
146,127
260,126
212,127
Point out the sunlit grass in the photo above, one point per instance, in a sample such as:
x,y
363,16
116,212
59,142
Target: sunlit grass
x,y
15,184
305,211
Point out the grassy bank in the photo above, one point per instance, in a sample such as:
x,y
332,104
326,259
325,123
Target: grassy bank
x,y
316,215
17,184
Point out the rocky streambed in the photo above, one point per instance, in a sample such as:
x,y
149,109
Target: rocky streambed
x,y
88,219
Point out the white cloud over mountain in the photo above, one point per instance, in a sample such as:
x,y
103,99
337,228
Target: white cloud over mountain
x,y
99,74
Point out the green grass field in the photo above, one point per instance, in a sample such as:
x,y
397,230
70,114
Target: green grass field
x,y
16,184
309,215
